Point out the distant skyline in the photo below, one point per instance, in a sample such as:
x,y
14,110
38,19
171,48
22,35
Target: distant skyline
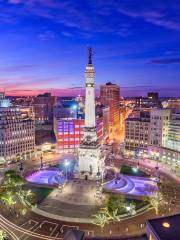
x,y
43,45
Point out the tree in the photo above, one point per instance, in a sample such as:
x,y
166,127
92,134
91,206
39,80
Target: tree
x,y
156,201
115,216
25,198
8,198
131,208
116,202
3,235
13,193
102,218
12,181
10,173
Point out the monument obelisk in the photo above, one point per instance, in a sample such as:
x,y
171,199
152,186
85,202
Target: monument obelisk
x,y
91,161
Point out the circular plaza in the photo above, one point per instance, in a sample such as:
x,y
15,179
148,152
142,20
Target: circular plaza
x,y
77,200
66,202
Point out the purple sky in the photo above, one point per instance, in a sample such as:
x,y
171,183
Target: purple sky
x,y
43,45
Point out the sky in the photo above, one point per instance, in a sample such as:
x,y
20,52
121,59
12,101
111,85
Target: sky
x,y
43,45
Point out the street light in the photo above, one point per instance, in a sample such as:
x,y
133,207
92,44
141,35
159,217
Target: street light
x,y
60,186
131,209
135,169
21,168
128,208
74,107
41,161
66,164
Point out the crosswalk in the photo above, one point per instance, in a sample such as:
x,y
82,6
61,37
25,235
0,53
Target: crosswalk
x,y
50,229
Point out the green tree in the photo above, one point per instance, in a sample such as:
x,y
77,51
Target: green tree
x,y
12,181
115,216
8,198
25,198
131,208
3,235
13,193
156,201
10,173
102,218
116,201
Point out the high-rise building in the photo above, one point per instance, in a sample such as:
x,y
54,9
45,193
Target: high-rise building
x,y
155,136
69,132
152,100
173,141
103,113
137,131
170,154
159,127
147,128
91,161
69,123
43,106
17,133
173,103
81,106
154,96
2,95
110,96
66,108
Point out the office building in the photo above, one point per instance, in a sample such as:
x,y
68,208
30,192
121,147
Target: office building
x,y
17,133
137,131
173,103
102,112
66,107
43,107
173,140
170,153
70,132
159,127
152,100
110,96
69,123
154,96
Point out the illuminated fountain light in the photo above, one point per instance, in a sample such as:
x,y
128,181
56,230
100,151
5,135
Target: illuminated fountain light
x,y
49,177
54,175
132,185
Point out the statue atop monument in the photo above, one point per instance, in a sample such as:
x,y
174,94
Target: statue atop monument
x,y
90,55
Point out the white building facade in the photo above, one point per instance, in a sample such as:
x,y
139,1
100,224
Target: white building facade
x,y
159,127
17,134
137,131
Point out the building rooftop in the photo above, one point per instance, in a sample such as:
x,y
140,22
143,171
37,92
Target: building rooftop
x,y
110,83
166,228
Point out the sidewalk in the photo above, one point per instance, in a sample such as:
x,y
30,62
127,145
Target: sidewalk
x,y
163,169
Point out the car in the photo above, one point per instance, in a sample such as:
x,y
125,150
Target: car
x,y
11,162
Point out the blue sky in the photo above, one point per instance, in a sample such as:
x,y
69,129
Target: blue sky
x,y
43,45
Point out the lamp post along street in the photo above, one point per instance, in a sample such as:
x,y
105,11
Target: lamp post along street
x,y
21,168
41,158
66,167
